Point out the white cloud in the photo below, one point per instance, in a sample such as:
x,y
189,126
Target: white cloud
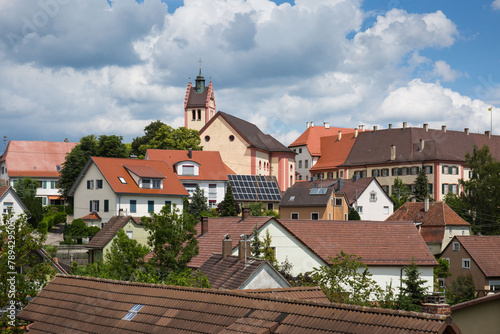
x,y
496,4
445,72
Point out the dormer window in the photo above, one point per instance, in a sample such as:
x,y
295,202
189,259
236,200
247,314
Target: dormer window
x,y
188,170
156,183
150,183
146,183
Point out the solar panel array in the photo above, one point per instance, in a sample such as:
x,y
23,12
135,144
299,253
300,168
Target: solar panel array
x,y
255,187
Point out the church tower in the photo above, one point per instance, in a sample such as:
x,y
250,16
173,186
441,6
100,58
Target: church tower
x,y
199,103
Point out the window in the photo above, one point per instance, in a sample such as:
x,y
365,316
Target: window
x,y
106,205
314,215
270,206
199,114
212,191
428,169
429,188
52,184
7,207
300,163
338,201
445,188
385,172
415,170
168,204
495,285
130,234
454,188
188,170
207,138
231,138
122,180
90,184
98,184
360,209
157,183
441,282
294,215
341,174
300,150
445,170
58,168
465,263
386,189
306,163
456,246
146,183
190,188
94,206
151,206
133,205
373,196
291,199
386,210
193,112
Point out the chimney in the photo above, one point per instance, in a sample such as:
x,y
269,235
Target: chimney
x,y
66,140
227,246
204,225
307,125
245,212
312,124
426,204
327,125
375,128
466,130
422,145
404,125
426,127
390,126
362,127
488,133
439,309
339,136
443,128
355,133
244,252
393,152
190,153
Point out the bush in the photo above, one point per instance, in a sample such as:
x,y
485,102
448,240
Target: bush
x,y
92,231
42,227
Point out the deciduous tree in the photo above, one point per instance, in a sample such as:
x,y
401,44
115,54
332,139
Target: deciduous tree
x,y
461,290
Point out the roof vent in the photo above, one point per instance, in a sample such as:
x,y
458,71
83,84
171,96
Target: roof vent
x,y
443,128
355,133
339,136
312,124
426,127
375,128
327,125
488,133
393,152
422,145
466,130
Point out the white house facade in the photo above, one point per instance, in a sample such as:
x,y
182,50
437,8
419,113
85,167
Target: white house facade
x,y
10,203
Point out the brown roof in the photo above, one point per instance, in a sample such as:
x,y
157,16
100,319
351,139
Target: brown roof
x,y
71,304
299,293
35,158
354,188
107,233
229,272
218,227
477,301
197,99
144,171
333,151
300,195
312,138
3,190
211,165
251,133
377,243
438,145
439,214
485,251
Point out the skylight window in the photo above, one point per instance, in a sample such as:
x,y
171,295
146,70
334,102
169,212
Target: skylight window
x,y
133,312
317,191
291,198
122,180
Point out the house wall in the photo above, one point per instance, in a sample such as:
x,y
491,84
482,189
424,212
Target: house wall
x,y
265,278
480,318
234,153
139,233
304,212
302,155
385,275
49,187
451,231
123,203
16,208
374,210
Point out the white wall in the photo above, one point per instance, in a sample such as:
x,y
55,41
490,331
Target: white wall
x,y
265,278
16,210
374,210
302,156
384,275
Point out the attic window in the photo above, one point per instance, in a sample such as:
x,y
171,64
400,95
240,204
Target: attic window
x,y
291,198
122,180
317,191
133,312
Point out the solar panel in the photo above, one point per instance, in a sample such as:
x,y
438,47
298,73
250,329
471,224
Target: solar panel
x,y
255,188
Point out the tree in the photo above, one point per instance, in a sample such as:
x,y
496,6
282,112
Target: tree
x,y
461,290
400,194
256,244
268,252
482,191
198,206
22,273
104,146
172,238
413,292
257,209
421,190
456,203
162,136
346,280
25,187
78,230
353,214
228,207
442,270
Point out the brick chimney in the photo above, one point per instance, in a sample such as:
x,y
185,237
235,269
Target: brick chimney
x,y
439,309
204,225
404,125
426,127
227,246
245,213
375,128
242,250
466,130
393,152
339,137
443,128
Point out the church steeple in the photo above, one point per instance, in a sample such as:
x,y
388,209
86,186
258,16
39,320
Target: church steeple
x,y
200,80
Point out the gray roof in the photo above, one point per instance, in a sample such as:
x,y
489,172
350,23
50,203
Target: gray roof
x,y
197,99
300,195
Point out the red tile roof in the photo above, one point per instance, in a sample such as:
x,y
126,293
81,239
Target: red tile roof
x,y
72,304
108,232
312,137
439,214
144,171
378,243
485,251
218,227
91,216
333,152
35,158
211,165
3,190
299,293
113,168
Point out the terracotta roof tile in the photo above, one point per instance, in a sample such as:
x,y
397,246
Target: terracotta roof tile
x,y
3,190
312,138
109,230
333,152
300,293
91,216
35,158
439,214
211,165
378,243
92,305
485,250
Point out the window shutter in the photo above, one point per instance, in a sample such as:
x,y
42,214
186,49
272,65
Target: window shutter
x,y
90,206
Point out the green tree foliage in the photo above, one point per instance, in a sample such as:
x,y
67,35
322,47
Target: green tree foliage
x,y
26,190
158,135
25,187
228,207
22,273
78,230
268,253
172,238
461,290
456,203
442,270
346,280
104,146
421,190
482,191
413,292
256,244
257,209
401,193
198,206
353,214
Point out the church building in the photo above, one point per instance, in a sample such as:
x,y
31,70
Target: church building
x,y
199,104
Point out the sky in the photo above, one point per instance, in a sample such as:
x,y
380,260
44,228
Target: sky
x,y
70,68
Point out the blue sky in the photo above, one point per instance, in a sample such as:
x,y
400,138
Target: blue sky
x,y
73,68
